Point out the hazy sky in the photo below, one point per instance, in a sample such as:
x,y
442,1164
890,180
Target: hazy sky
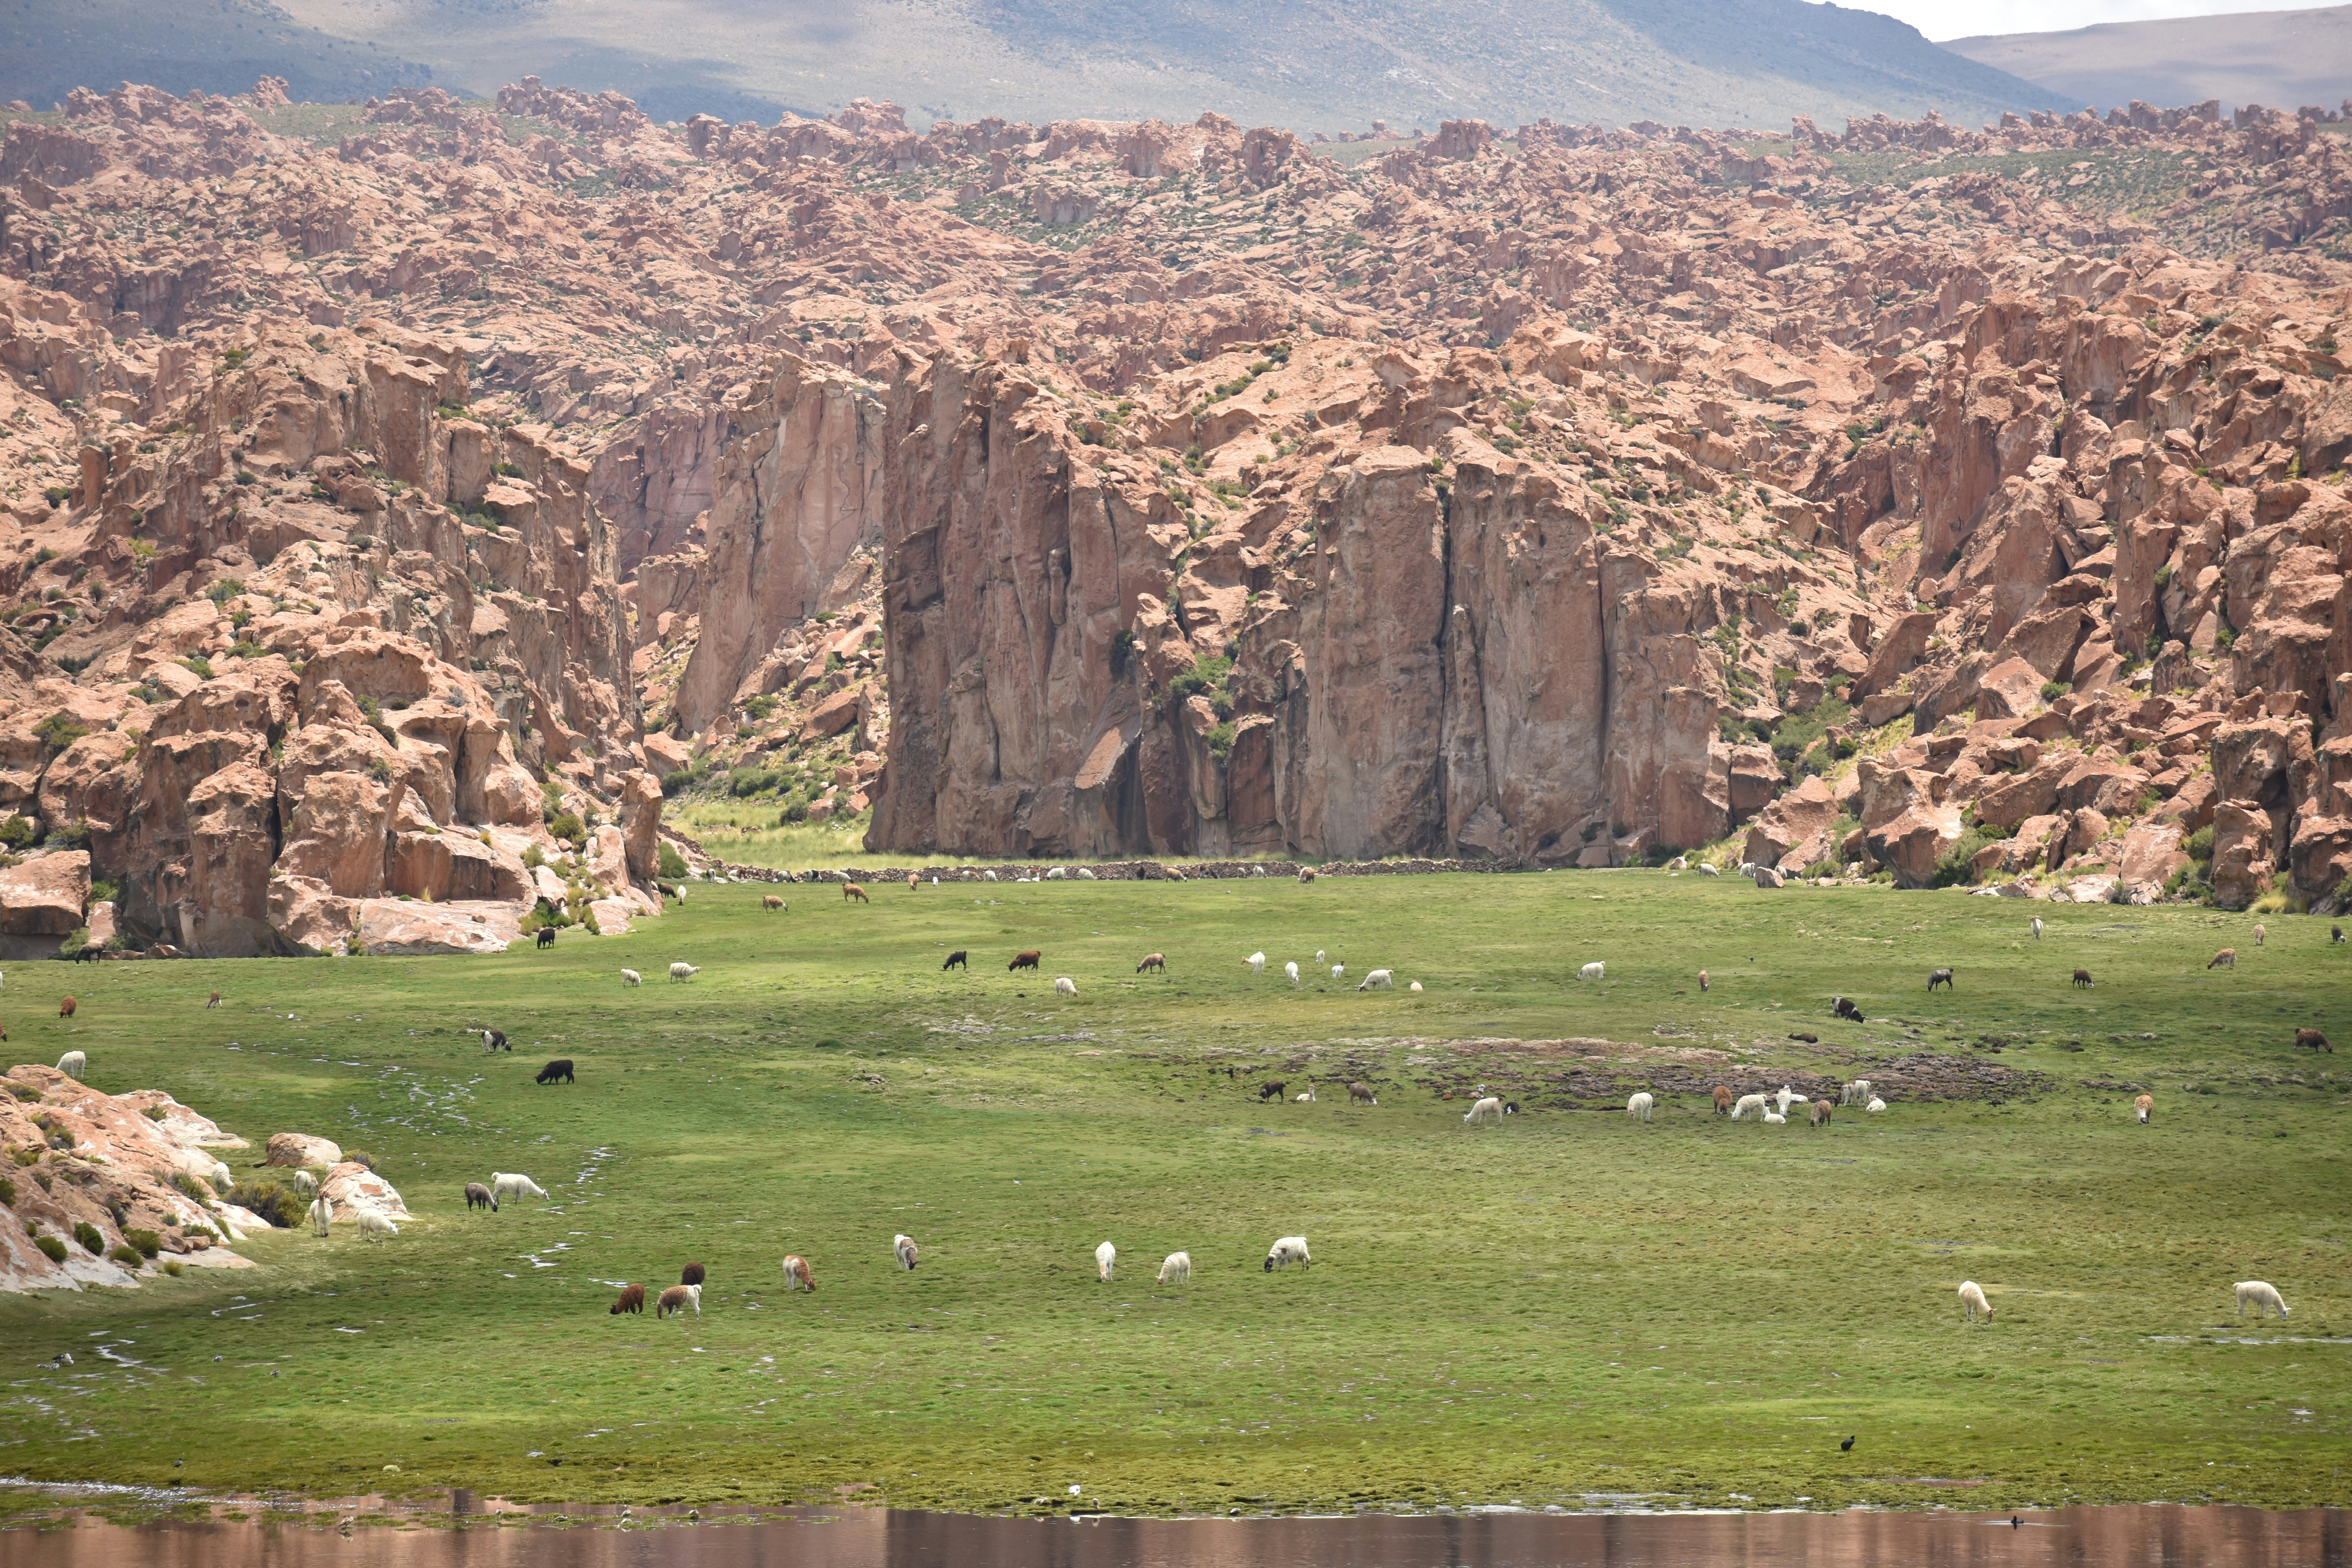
x,y
1963,18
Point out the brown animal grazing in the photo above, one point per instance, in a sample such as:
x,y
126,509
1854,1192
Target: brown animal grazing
x,y
2227,957
559,1068
1361,1092
692,1274
2146,1106
913,881
1307,873
216,1001
2083,979
1702,981
956,961
1722,1100
633,1299
1819,1114
2304,1039
66,1008
1153,961
1809,1039
546,936
1271,1089
479,1197
796,1273
1025,960
852,890
673,1301
770,901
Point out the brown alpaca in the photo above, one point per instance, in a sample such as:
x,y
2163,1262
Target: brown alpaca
x,y
65,1007
633,1299
852,890
770,901
1722,1100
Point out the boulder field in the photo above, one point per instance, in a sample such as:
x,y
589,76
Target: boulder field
x,y
394,515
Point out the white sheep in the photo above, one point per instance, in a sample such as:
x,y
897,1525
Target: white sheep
x,y
988,876
631,977
1256,960
1084,875
322,1213
2037,928
74,1065
1972,1301
1177,1269
683,971
1591,970
1773,1117
2264,1297
903,1248
1487,1109
1291,969
1875,1105
1065,985
374,1225
1379,977
1338,970
1748,1102
505,1184
1105,1257
1638,1108
1415,987
1290,1249
220,1179
1708,870
1679,863
1056,874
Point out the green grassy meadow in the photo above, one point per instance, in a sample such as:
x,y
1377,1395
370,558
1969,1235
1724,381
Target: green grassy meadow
x,y
1570,1307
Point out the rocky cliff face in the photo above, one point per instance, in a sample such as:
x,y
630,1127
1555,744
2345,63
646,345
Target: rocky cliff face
x,y
1954,504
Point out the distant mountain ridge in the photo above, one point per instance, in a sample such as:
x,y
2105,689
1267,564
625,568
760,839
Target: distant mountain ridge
x,y
1314,64
50,46
2282,60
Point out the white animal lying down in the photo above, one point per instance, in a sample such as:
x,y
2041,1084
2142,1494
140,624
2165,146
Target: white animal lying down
x,y
1875,1105
1773,1117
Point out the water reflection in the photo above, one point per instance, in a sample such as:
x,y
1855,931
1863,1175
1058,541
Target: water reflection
x,y
2076,1538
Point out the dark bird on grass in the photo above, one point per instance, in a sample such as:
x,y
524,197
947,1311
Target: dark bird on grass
x,y
1846,1447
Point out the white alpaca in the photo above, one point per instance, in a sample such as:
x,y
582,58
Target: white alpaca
x,y
1972,1301
1291,969
1773,1117
631,977
1065,985
1487,1109
1638,1108
2264,1297
505,1184
1706,870
1308,1098
1785,1096
1379,977
305,1184
74,1065
904,1246
1875,1105
1318,955
1256,960
1856,1092
322,1214
1415,987
1177,1269
2037,928
1748,1102
2259,935
1591,972
683,971
1338,970
1105,1256
376,1227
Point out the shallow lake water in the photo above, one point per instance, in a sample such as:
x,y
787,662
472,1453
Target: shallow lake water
x,y
497,1536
